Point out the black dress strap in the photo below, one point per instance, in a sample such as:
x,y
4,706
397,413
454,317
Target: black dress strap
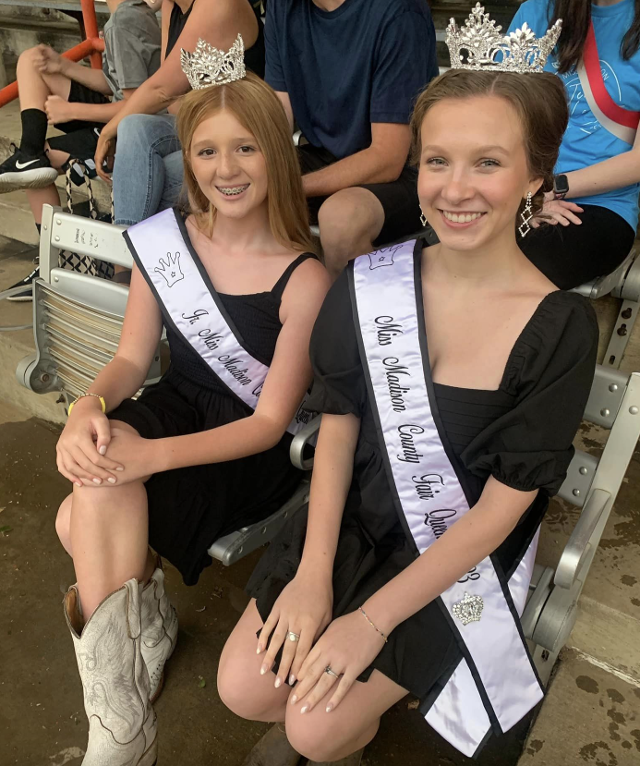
x,y
279,286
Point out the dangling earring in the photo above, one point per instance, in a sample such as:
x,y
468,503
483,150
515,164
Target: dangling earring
x,y
423,218
526,215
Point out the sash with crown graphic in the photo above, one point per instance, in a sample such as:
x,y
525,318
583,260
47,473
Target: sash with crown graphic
x,y
191,306
495,684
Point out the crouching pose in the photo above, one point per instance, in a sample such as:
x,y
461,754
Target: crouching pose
x,y
205,450
453,379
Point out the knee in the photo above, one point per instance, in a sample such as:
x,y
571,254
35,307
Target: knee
x,y
312,738
134,130
235,691
63,523
346,218
28,58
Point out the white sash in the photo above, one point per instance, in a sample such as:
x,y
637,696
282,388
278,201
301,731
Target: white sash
x,y
496,684
191,306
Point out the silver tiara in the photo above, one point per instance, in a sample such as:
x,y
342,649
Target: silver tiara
x,y
479,45
208,66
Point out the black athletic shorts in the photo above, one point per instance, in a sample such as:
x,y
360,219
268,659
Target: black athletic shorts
x,y
81,137
399,199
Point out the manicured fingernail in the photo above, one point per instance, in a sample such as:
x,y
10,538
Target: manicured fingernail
x,y
97,481
111,480
278,683
259,649
264,669
103,450
329,708
79,484
119,468
304,709
292,680
294,699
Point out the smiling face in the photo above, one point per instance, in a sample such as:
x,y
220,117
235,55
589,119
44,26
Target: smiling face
x,y
473,170
228,165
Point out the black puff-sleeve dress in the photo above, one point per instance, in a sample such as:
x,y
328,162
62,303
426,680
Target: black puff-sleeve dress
x,y
521,434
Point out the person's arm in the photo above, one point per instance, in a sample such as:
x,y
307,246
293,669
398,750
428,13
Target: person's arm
x,y
87,76
605,176
165,18
216,22
382,162
286,103
280,397
58,110
464,545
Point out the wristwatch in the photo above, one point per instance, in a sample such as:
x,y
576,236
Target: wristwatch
x,y
560,187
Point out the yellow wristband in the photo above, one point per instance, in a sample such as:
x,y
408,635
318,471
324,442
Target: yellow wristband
x,y
103,404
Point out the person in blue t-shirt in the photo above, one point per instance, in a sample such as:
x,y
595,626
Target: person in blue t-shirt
x,y
594,204
348,73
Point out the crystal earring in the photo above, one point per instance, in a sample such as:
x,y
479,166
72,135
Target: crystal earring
x,y
526,215
423,218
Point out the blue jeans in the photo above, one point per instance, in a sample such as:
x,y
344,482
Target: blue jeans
x,y
147,174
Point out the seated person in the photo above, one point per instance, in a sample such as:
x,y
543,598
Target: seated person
x,y
348,73
79,101
594,204
147,173
448,425
206,450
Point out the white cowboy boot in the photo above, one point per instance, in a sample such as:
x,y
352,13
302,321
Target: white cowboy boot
x,y
115,682
159,630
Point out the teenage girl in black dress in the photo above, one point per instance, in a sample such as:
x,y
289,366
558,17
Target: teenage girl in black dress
x,y
511,359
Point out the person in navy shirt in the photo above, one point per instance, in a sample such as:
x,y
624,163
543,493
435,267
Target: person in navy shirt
x,y
348,73
593,207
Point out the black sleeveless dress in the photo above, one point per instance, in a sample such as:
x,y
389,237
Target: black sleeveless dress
x,y
253,56
189,508
521,434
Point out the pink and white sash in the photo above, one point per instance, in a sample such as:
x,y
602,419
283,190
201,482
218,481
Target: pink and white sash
x,y
621,122
495,684
191,306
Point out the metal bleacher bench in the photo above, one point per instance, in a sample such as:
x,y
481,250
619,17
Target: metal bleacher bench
x,y
622,283
77,321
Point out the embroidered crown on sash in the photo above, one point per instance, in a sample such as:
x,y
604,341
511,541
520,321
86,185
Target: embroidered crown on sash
x,y
208,66
479,45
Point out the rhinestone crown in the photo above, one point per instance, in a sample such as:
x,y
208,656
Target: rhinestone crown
x,y
208,66
479,45
469,609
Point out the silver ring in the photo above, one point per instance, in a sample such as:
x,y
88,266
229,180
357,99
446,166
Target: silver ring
x,y
293,636
331,672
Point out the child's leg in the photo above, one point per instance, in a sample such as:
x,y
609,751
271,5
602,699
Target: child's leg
x,y
49,194
34,86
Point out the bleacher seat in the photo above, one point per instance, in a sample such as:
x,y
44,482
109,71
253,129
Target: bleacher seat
x,y
592,484
77,318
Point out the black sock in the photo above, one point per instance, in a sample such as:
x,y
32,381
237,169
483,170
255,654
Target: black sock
x,y
34,131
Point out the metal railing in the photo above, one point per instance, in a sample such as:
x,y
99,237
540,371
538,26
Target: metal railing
x,y
92,46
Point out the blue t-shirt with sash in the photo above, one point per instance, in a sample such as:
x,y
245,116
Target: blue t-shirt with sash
x,y
366,61
586,142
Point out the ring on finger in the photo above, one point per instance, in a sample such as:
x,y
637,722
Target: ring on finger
x,y
293,636
330,672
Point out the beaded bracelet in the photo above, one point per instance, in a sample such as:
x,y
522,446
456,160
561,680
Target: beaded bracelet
x,y
386,640
103,404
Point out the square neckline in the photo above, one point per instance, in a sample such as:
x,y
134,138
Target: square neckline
x,y
182,225
424,342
